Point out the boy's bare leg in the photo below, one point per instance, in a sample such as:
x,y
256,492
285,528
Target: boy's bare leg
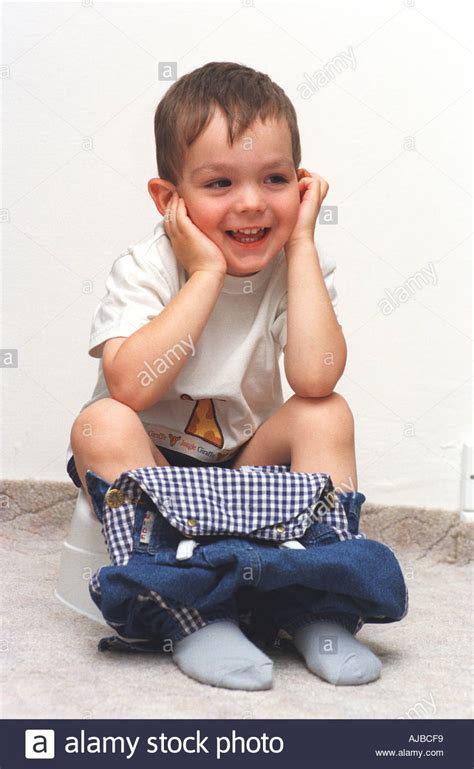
x,y
109,438
312,435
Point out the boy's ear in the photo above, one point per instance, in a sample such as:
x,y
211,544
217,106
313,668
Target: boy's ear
x,y
161,192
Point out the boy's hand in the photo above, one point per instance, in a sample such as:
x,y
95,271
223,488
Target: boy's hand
x,y
313,189
194,250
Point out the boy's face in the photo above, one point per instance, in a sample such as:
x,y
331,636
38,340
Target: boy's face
x,y
256,186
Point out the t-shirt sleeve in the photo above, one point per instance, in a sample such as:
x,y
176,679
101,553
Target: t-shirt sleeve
x,y
279,327
136,292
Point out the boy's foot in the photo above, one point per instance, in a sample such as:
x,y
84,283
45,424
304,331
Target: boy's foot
x,y
219,654
332,653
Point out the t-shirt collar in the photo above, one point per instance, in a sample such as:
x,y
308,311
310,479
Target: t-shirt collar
x,y
241,284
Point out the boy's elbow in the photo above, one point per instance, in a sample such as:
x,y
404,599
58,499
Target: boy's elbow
x,y
128,399
307,386
314,387
129,396
130,393
315,390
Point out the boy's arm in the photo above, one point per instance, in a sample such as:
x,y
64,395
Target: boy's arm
x,y
316,352
147,363
170,336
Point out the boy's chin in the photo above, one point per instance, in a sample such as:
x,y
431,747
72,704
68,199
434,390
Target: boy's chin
x,y
241,274
247,264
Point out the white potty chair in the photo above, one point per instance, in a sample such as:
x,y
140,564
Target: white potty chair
x,y
84,551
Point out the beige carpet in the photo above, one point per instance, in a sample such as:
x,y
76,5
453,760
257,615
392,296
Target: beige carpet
x,y
52,669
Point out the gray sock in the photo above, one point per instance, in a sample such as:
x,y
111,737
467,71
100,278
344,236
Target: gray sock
x,y
220,654
332,652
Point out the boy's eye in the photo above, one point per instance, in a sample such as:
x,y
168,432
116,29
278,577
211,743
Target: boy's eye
x,y
280,179
224,182
219,183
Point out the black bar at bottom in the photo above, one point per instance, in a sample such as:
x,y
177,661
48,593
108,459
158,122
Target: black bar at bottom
x,y
325,744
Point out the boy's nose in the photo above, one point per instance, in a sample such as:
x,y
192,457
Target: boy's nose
x,y
250,199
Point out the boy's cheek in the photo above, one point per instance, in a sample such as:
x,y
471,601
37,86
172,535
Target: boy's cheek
x,y
290,223
292,210
203,218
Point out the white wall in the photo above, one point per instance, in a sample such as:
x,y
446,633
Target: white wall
x,y
390,134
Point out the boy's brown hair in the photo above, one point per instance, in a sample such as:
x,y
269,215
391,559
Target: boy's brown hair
x,y
241,92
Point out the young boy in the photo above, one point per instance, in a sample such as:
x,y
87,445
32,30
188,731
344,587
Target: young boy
x,y
193,324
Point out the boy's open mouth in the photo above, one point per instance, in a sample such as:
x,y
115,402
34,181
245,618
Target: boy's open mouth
x,y
249,235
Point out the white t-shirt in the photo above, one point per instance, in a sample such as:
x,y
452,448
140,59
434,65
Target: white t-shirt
x,y
231,382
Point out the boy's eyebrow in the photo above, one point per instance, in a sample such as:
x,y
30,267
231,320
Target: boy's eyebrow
x,y
227,167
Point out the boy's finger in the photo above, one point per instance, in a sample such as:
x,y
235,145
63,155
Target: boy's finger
x,y
170,212
177,211
183,219
174,206
304,183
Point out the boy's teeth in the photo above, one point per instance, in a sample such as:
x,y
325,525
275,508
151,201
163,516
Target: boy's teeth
x,y
249,234
250,231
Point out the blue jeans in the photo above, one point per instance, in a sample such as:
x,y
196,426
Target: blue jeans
x,y
154,598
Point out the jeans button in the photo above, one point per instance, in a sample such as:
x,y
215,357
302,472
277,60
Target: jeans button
x,y
114,498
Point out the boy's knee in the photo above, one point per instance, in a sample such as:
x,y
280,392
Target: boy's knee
x,y
337,405
331,413
101,419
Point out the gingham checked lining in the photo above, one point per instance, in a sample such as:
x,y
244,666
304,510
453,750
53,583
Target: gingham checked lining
x,y
248,502
188,619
